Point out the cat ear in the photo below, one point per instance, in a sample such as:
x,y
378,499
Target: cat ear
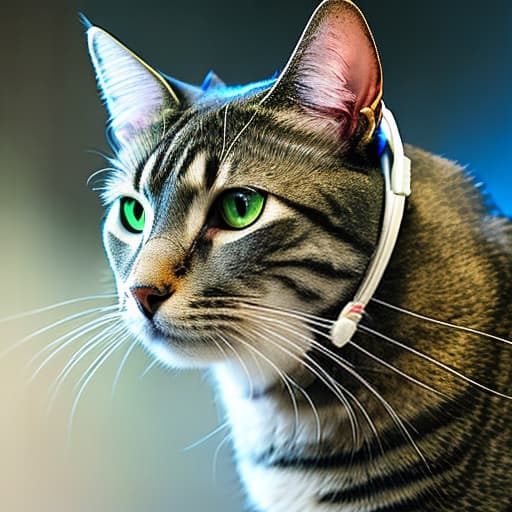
x,y
212,81
137,98
334,74
190,94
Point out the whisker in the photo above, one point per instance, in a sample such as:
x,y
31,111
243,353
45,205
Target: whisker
x,y
391,412
55,306
103,336
252,302
121,366
217,453
434,361
324,350
307,317
56,324
397,370
240,133
242,362
101,154
150,366
69,338
389,409
224,131
350,412
98,172
282,375
208,436
306,396
387,406
314,410
336,358
89,374
442,322
289,328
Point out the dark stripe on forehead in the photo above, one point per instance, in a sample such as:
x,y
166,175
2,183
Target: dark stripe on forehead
x,y
165,154
159,154
211,171
185,156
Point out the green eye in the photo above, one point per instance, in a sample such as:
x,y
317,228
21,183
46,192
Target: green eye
x,y
241,207
132,215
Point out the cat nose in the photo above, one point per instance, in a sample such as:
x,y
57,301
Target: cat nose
x,y
149,299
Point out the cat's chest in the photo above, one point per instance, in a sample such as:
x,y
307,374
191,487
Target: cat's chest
x,y
269,424
287,490
266,431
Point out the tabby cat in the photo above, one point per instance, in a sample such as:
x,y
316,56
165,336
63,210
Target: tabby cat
x,y
241,220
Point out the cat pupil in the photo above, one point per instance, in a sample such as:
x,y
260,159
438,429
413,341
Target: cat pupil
x,y
138,210
241,204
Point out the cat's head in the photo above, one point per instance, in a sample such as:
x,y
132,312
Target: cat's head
x,y
234,210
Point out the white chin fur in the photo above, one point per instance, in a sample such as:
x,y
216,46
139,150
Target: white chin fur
x,y
171,354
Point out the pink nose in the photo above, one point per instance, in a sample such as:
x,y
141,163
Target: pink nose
x,y
149,299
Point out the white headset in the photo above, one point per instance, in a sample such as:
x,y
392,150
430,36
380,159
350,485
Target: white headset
x,y
397,182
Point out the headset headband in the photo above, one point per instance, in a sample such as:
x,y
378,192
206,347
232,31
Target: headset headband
x,y
397,187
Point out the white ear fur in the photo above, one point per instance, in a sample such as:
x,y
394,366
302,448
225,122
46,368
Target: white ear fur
x,y
135,95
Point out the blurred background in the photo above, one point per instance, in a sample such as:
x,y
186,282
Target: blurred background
x,y
447,79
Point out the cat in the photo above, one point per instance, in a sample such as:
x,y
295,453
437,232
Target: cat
x,y
241,220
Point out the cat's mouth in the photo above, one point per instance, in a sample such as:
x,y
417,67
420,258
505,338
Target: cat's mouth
x,y
172,344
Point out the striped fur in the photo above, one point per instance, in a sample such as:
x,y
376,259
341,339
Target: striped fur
x,y
411,415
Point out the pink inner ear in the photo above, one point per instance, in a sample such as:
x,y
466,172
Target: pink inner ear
x,y
339,70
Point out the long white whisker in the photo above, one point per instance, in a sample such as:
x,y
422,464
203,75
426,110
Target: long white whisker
x,y
350,412
95,341
55,306
242,363
292,313
56,324
107,332
289,328
285,378
89,374
348,367
224,132
314,410
240,133
98,172
434,361
121,366
293,383
217,453
208,436
397,370
389,409
329,353
441,322
149,367
69,338
346,364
